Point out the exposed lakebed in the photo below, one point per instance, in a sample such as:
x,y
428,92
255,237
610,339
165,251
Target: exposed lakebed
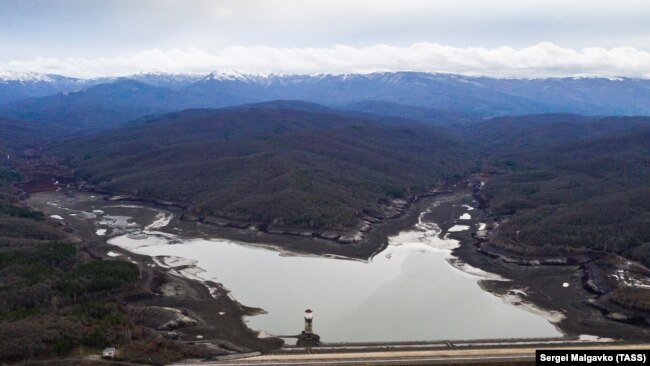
x,y
414,290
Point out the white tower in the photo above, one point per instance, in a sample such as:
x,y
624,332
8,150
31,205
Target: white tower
x,y
309,316
308,338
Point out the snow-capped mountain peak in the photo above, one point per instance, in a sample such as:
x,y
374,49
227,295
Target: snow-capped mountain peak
x,y
6,76
234,75
226,74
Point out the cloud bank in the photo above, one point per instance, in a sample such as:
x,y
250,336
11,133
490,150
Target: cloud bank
x,y
537,61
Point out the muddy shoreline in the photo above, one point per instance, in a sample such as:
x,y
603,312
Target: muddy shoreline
x,y
359,242
220,317
564,283
175,267
214,315
543,287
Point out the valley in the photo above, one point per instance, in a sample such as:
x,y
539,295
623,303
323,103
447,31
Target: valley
x,y
239,218
398,272
367,182
155,237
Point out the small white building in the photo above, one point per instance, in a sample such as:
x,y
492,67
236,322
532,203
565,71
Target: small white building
x,y
109,352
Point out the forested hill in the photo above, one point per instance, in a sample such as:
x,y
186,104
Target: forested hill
x,y
17,134
512,135
292,164
98,107
572,181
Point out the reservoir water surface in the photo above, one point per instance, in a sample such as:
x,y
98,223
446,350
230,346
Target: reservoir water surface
x,y
409,292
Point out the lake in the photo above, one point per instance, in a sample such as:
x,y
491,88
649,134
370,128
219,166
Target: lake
x,y
409,292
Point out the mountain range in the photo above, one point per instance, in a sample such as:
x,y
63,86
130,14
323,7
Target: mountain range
x,y
106,102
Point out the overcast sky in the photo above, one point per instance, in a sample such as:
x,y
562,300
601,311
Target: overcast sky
x,y
528,38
